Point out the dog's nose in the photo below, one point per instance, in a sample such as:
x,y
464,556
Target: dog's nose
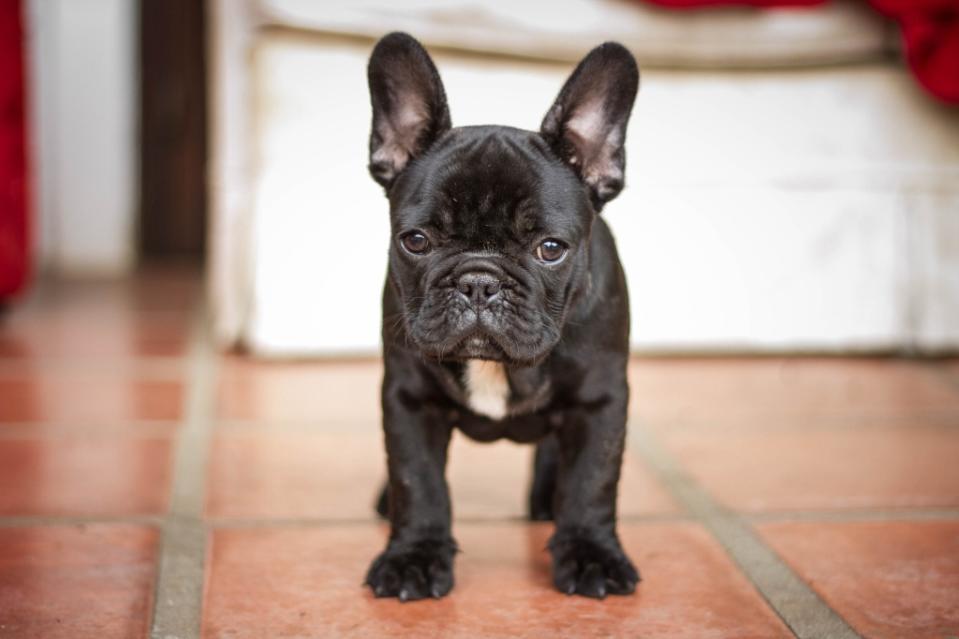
x,y
479,287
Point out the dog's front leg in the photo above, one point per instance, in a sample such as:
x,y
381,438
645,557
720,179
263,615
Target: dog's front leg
x,y
587,556
418,560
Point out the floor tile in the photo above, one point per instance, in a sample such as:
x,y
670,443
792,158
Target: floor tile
x,y
71,582
492,480
92,474
293,474
146,316
775,390
166,287
305,582
333,391
758,469
94,335
79,396
154,288
337,475
889,579
951,368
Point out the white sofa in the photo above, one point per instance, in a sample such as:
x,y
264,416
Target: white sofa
x,y
789,188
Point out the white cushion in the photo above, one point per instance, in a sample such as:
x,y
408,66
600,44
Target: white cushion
x,y
763,210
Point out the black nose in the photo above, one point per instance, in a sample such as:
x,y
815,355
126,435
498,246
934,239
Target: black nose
x,y
479,287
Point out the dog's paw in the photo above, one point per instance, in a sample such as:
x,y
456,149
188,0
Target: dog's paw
x,y
413,571
582,566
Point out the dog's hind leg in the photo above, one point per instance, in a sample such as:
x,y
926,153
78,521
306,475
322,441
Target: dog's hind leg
x,y
383,502
542,493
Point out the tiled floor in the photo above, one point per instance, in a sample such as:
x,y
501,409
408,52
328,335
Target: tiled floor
x,y
147,482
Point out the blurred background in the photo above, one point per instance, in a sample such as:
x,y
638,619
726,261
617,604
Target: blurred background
x,y
191,261
792,178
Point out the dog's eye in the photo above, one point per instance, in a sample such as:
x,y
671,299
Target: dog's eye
x,y
416,243
551,251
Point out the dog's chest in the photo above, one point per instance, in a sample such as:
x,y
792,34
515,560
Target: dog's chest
x,y
494,391
487,388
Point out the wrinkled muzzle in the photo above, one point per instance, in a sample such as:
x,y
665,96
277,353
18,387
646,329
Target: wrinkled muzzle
x,y
478,310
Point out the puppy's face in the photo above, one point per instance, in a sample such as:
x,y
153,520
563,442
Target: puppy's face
x,y
489,245
491,224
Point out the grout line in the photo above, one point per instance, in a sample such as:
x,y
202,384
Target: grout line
x,y
78,520
145,367
178,602
800,608
906,514
772,422
92,428
317,426
307,522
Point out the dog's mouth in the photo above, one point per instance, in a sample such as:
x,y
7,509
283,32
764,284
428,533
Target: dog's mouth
x,y
479,346
465,335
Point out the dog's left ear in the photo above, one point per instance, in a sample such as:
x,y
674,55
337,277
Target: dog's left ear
x,y
409,105
586,126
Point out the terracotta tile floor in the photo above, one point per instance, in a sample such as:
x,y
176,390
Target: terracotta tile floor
x,y
891,579
124,436
503,588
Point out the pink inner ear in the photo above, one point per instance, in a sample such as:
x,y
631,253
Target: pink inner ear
x,y
586,124
595,141
400,132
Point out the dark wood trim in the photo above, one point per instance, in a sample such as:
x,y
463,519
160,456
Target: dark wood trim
x,y
173,128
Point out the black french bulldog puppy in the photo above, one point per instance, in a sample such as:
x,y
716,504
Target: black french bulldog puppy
x,y
505,312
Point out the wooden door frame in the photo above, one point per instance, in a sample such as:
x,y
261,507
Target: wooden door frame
x,y
173,128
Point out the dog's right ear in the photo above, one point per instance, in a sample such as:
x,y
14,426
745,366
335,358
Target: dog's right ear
x,y
409,105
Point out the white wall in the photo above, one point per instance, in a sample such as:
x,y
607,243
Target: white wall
x,y
82,58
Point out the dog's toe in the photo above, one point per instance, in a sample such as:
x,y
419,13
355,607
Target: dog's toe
x,y
592,582
413,571
591,569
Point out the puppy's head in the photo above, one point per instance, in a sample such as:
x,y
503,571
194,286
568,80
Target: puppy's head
x,y
491,224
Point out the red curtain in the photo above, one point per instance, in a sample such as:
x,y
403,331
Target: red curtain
x,y
14,236
930,30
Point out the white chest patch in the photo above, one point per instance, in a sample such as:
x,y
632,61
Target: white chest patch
x,y
487,389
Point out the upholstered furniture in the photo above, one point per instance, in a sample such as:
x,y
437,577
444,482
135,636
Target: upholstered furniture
x,y
788,185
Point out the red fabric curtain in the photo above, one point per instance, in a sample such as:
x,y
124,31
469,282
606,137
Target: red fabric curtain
x,y
930,30
14,244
